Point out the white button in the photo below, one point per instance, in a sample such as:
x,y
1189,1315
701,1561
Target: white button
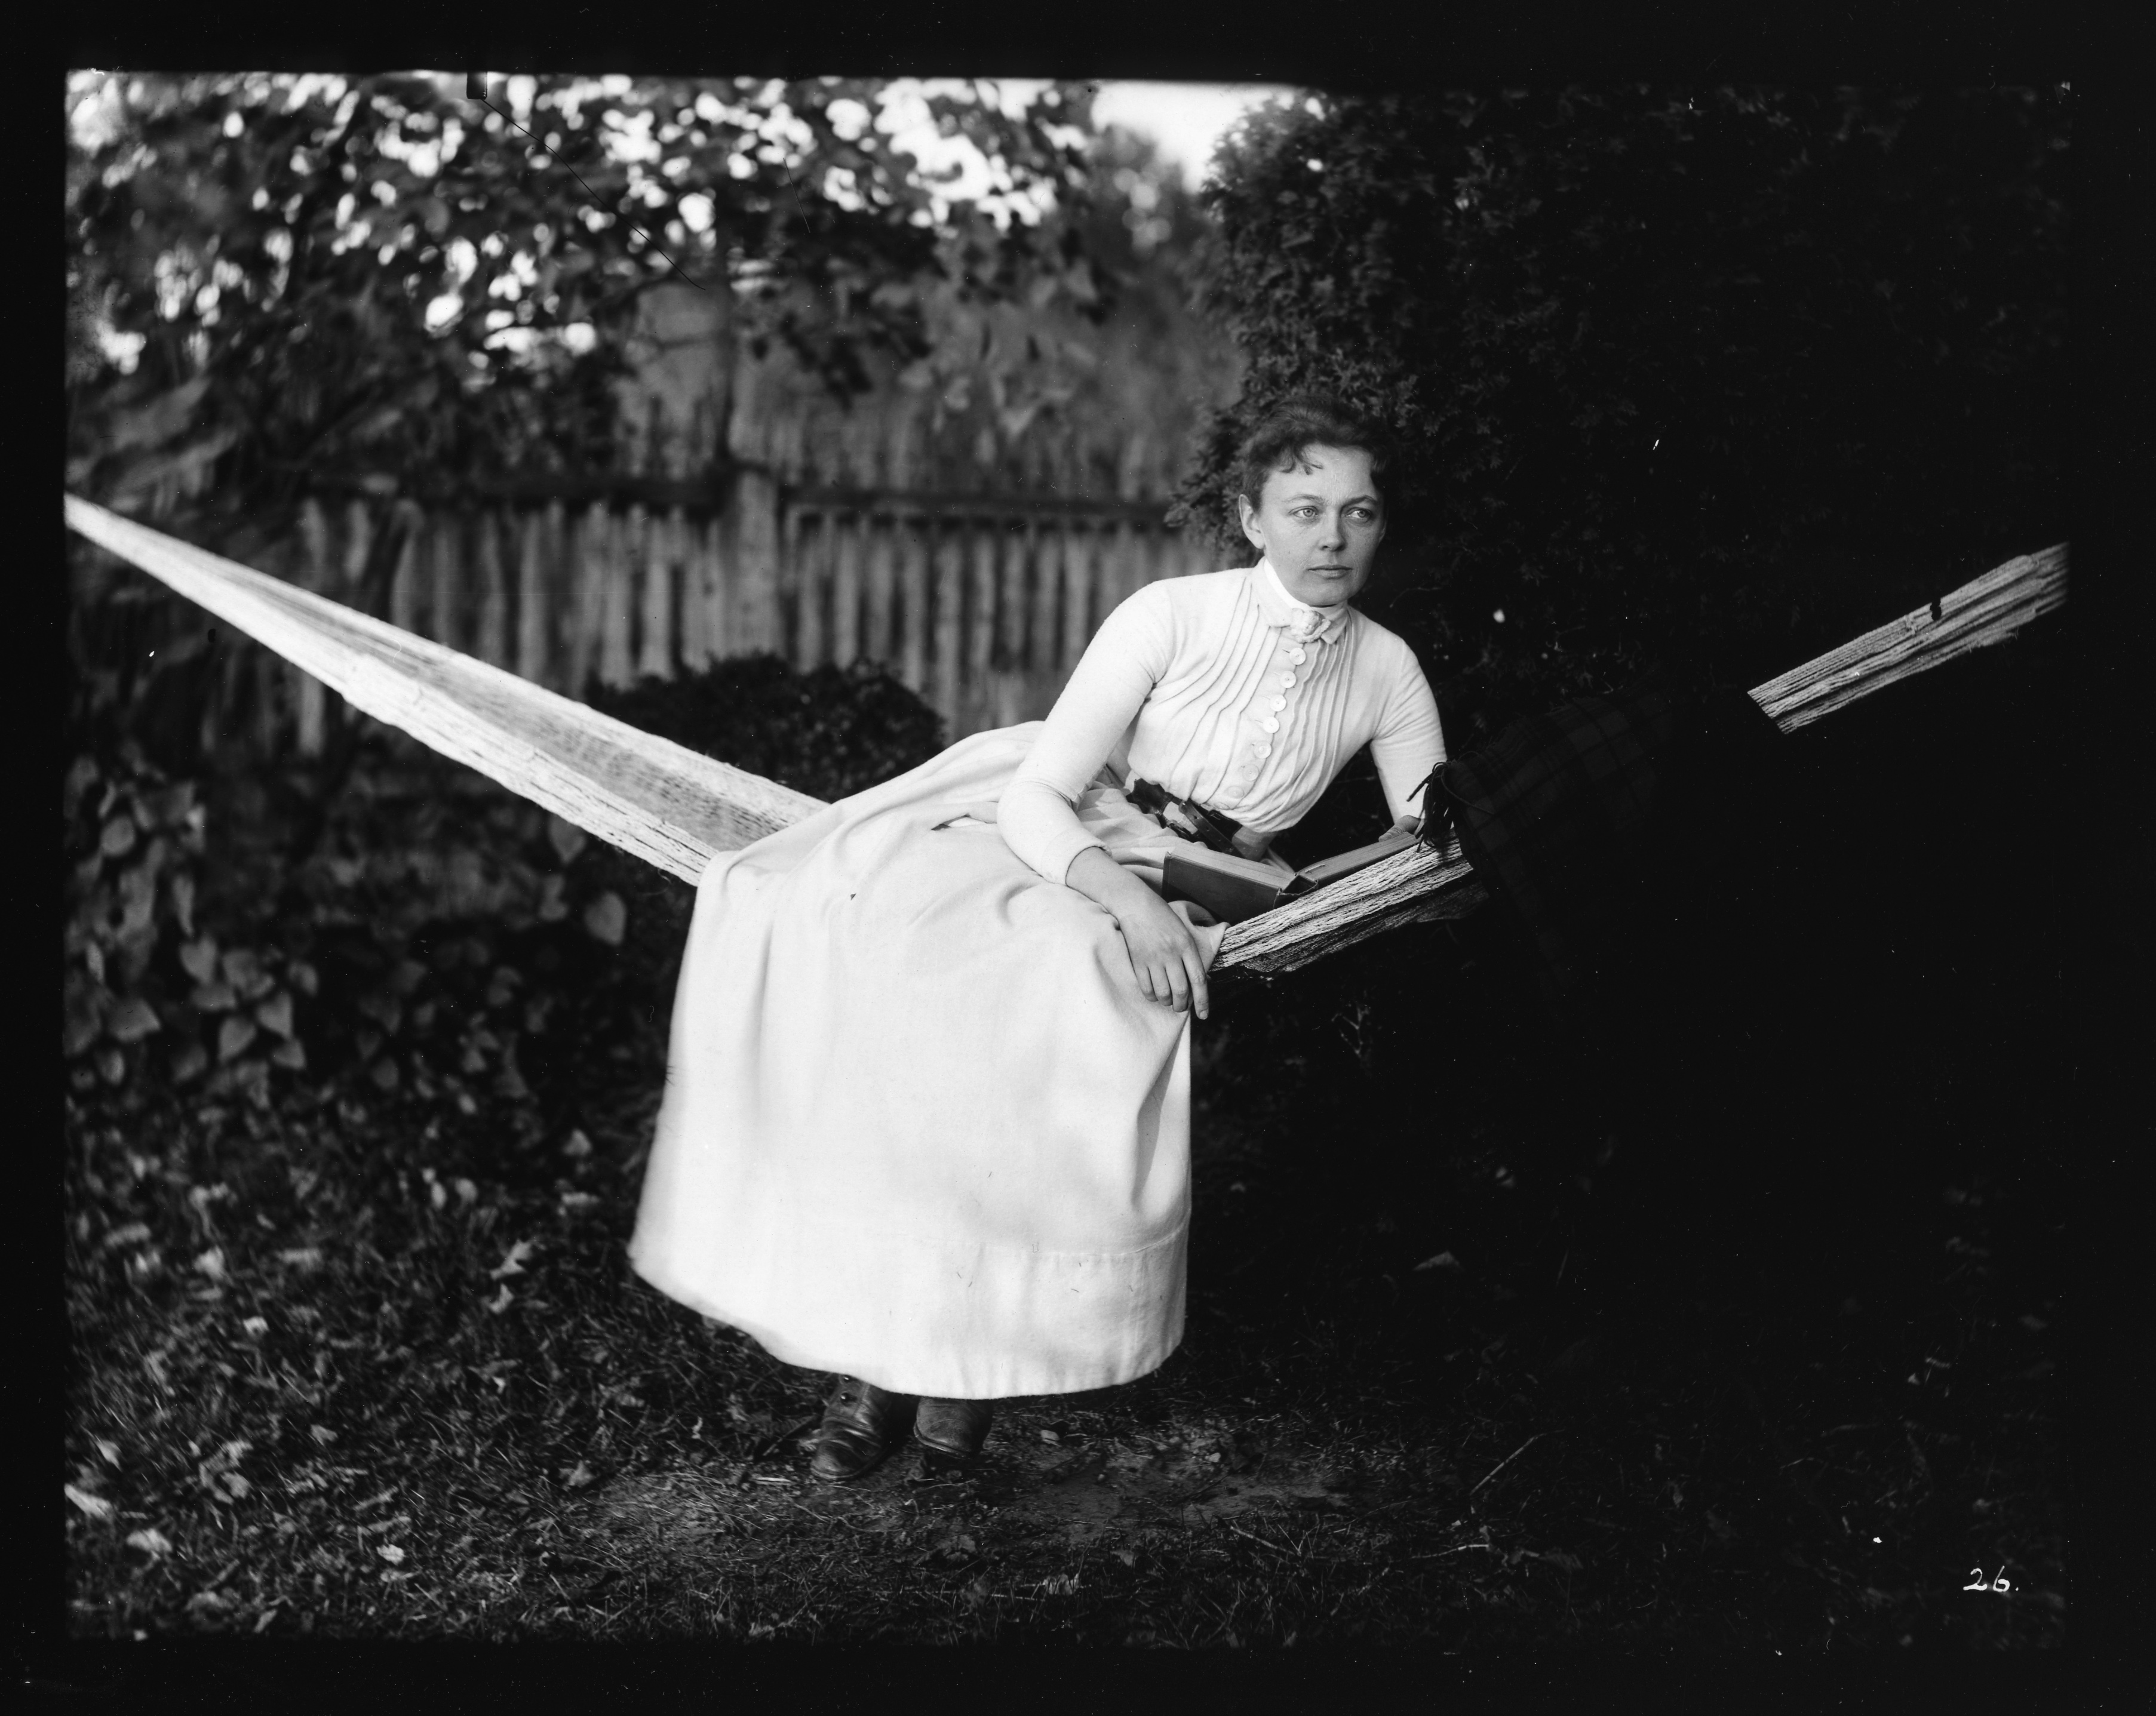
x,y
1295,655
1287,679
1265,750
1270,725
1279,703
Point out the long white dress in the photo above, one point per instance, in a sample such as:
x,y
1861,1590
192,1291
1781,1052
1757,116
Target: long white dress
x,y
919,1125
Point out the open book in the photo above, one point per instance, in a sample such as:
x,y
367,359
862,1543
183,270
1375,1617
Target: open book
x,y
1233,889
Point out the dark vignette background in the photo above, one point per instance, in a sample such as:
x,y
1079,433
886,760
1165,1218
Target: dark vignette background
x,y
2097,835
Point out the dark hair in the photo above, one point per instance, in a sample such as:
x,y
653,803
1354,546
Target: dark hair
x,y
1308,420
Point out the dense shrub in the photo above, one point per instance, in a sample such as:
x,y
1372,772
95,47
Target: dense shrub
x,y
413,942
1701,380
1697,381
830,731
423,929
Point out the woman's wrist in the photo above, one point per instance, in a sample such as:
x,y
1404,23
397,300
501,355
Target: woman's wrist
x,y
1097,876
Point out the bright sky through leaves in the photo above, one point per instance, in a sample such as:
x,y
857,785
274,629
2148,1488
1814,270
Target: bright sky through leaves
x,y
1186,122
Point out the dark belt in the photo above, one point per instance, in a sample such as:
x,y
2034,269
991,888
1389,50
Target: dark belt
x,y
1193,821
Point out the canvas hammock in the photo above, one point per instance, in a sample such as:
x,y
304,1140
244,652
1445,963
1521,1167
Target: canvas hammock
x,y
676,807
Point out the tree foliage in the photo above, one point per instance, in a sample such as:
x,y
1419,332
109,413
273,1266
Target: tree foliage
x,y
1092,374
1700,380
277,275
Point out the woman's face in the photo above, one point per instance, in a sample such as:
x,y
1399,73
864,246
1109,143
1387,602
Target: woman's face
x,y
1319,523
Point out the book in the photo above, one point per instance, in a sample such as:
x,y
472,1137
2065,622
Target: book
x,y
1232,887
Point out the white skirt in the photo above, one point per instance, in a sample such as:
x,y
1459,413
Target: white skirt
x,y
920,1126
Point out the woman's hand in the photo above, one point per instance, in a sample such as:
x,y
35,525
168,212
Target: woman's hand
x,y
1166,959
1165,956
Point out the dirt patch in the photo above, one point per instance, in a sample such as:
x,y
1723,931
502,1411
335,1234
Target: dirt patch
x,y
1084,1489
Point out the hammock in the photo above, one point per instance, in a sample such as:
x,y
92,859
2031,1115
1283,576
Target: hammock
x,y
676,808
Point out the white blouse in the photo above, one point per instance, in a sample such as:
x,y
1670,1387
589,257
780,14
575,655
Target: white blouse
x,y
1224,690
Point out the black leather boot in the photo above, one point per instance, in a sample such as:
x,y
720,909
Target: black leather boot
x,y
950,1433
861,1424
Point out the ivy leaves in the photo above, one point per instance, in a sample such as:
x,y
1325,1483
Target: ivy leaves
x,y
154,997
139,975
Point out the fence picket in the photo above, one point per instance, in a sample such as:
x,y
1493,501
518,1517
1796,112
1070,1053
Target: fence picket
x,y
1013,541
491,645
723,590
949,550
1160,555
681,583
808,543
556,571
844,531
445,569
1129,560
981,545
405,596
1046,608
1078,614
531,599
880,580
981,607
752,528
619,533
654,566
581,564
697,581
357,538
912,647
586,545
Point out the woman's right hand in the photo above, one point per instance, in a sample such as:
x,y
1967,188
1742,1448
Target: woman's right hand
x,y
1166,961
1165,956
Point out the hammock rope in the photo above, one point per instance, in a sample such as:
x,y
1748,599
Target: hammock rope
x,y
677,808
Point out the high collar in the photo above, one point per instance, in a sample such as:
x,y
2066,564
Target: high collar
x,y
1282,609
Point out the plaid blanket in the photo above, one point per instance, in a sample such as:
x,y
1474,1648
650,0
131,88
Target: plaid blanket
x,y
1611,826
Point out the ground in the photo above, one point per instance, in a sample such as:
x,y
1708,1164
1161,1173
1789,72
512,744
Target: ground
x,y
364,1363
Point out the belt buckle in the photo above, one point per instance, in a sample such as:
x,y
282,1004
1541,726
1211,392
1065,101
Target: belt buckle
x,y
1209,827
1194,821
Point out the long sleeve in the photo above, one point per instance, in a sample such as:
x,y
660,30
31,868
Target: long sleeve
x,y
1408,742
1126,659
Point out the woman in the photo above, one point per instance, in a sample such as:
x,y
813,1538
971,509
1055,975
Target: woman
x,y
926,1123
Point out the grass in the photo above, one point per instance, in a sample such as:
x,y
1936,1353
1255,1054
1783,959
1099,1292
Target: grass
x,y
361,1363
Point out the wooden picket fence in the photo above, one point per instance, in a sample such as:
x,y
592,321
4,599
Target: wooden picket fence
x,y
969,549
981,604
